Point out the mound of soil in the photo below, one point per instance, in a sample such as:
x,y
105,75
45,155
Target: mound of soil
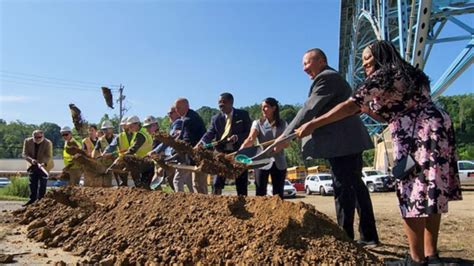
x,y
128,226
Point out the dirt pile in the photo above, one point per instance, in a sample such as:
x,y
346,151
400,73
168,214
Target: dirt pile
x,y
128,226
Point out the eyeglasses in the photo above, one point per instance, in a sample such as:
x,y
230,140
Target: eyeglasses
x,y
65,134
170,113
38,137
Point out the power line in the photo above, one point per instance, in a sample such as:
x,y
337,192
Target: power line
x,y
51,86
57,79
8,77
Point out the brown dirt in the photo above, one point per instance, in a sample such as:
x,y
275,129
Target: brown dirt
x,y
107,93
79,123
129,226
208,161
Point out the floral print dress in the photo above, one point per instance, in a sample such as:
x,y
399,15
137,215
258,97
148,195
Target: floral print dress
x,y
428,189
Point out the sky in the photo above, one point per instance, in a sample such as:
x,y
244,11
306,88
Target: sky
x,y
53,53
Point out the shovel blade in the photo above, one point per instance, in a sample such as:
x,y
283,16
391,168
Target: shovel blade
x,y
261,164
156,182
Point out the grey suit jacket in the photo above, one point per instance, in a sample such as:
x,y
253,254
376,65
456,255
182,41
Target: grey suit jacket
x,y
345,137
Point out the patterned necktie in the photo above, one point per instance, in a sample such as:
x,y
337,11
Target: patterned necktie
x,y
228,123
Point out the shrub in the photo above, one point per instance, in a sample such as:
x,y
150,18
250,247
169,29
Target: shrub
x,y
18,187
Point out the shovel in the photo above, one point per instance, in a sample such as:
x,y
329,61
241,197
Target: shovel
x,y
263,164
191,168
41,167
156,182
112,166
251,151
247,156
265,153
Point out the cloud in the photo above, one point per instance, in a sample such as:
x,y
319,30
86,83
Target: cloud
x,y
14,98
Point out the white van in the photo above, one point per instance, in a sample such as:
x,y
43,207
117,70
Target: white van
x,y
466,172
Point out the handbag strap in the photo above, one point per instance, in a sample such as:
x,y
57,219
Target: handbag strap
x,y
413,141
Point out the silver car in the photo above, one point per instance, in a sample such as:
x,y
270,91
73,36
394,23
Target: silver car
x,y
289,191
466,172
4,181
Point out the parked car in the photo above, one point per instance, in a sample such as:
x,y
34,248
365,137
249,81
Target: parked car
x,y
298,184
377,181
289,191
320,183
466,172
4,181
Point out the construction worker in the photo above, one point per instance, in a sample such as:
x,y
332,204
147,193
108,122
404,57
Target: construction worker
x,y
73,169
141,142
119,146
151,125
140,145
105,140
89,142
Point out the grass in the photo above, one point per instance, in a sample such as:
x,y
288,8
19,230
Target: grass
x,y
17,190
10,198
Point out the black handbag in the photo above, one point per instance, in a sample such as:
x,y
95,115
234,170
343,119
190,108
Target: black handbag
x,y
407,165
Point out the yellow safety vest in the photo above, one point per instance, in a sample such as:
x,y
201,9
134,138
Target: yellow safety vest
x,y
89,145
68,157
123,144
147,145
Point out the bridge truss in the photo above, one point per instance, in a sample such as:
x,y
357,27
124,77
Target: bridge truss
x,y
414,27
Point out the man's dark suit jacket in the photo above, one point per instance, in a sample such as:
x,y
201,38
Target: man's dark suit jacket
x,y
240,126
192,128
345,137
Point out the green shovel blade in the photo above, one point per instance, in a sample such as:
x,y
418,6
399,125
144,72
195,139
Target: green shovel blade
x,y
241,158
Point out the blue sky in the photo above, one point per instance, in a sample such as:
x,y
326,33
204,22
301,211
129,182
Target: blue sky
x,y
58,52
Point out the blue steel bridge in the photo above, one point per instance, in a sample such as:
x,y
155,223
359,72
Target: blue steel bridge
x,y
414,27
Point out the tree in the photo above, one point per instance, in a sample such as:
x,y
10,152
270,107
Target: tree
x,y
52,132
206,113
288,112
254,111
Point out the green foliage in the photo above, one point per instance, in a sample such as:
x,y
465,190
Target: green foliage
x,y
368,157
18,187
254,111
12,136
206,113
293,154
461,111
164,123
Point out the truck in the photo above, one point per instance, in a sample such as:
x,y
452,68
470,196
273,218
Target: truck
x,y
377,181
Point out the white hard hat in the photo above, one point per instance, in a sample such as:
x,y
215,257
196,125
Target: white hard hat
x,y
123,122
149,120
133,119
106,125
65,129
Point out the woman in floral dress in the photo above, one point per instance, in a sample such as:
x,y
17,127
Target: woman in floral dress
x,y
396,92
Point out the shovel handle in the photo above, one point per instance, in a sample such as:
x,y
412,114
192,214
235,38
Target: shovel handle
x,y
266,143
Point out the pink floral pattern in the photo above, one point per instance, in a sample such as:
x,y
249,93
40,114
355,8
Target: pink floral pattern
x,y
428,189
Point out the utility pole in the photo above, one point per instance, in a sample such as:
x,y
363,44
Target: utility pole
x,y
120,100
